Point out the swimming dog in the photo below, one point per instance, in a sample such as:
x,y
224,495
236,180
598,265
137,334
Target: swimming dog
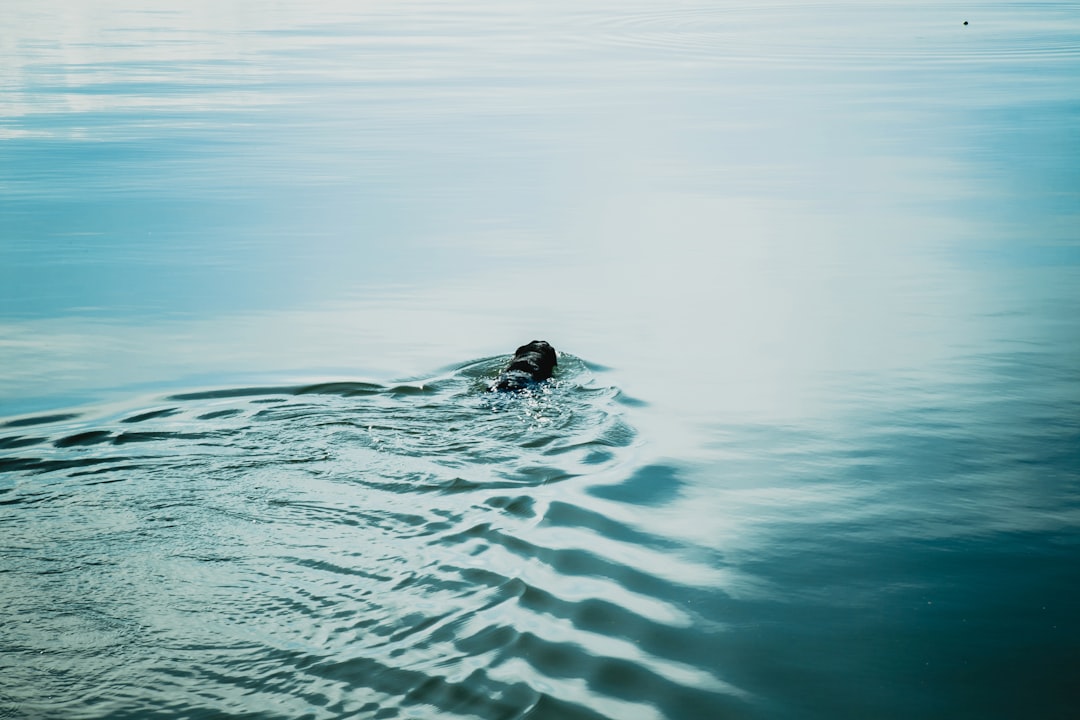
x,y
532,363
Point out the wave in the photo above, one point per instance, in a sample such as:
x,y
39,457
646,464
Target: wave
x,y
419,549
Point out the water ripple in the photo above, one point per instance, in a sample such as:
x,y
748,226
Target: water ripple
x,y
343,548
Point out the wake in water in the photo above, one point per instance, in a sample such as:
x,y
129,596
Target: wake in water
x,y
338,549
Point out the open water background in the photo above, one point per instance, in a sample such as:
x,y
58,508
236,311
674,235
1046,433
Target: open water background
x,y
813,449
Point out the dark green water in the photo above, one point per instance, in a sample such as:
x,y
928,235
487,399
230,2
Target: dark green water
x,y
812,451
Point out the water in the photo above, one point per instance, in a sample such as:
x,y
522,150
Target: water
x,y
813,450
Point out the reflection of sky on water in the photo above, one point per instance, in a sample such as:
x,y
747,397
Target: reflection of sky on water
x,y
727,199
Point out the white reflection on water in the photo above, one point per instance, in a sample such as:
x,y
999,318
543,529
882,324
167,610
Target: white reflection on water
x,y
723,203
737,307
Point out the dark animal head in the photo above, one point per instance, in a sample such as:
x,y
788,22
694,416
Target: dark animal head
x,y
537,358
531,363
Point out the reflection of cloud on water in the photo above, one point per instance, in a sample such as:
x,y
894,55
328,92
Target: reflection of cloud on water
x,y
698,302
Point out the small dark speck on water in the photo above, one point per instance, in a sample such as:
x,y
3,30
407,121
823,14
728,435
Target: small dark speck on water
x,y
965,22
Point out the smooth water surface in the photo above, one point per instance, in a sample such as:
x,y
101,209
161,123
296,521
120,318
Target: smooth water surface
x,y
812,450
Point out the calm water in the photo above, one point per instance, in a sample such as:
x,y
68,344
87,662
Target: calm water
x,y
813,449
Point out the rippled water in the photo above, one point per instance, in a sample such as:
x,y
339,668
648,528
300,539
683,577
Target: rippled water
x,y
812,449
334,548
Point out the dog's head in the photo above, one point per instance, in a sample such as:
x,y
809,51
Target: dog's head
x,y
536,358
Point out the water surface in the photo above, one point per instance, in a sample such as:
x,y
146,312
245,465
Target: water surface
x,y
813,446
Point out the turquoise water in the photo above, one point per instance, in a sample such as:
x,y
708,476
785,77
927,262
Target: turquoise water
x,y
812,451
